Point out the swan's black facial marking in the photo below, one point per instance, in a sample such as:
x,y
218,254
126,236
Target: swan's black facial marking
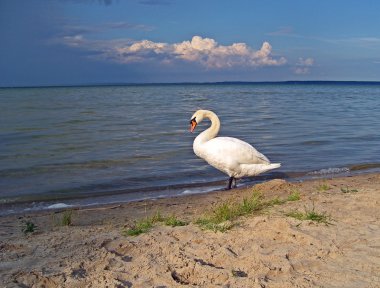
x,y
193,124
193,120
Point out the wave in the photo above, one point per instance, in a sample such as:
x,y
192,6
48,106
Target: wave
x,y
59,206
365,167
329,171
199,191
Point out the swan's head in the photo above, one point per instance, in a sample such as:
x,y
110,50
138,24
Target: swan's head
x,y
196,119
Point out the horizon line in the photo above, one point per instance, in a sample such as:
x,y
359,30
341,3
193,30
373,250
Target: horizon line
x,y
371,82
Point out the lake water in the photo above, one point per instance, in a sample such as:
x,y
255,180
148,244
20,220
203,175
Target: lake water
x,y
103,144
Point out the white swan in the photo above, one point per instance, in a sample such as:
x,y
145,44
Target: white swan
x,y
230,155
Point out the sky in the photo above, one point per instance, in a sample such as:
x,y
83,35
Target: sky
x,y
80,42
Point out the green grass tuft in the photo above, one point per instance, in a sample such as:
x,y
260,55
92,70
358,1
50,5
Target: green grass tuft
x,y
311,215
28,227
144,225
157,217
173,221
210,224
222,217
224,212
140,227
346,190
276,201
323,187
295,196
296,214
67,218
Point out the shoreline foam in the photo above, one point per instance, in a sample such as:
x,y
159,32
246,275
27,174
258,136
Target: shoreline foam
x,y
43,202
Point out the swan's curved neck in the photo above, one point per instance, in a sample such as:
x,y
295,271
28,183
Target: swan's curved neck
x,y
213,130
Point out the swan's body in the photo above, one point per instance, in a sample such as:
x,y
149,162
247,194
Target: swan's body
x,y
230,155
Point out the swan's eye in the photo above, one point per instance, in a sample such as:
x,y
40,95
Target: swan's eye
x,y
193,120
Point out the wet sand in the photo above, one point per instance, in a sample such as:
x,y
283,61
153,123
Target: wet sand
x,y
265,249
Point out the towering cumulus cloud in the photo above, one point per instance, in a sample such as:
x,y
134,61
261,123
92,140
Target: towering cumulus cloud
x,y
209,53
204,51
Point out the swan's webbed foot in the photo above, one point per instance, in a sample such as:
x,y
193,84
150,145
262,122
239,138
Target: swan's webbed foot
x,y
231,183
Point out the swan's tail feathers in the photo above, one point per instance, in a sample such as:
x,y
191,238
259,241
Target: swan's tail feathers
x,y
256,169
270,166
275,165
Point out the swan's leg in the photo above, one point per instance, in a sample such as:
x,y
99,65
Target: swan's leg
x,y
235,185
230,183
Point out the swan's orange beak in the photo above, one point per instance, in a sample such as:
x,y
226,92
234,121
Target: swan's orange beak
x,y
193,124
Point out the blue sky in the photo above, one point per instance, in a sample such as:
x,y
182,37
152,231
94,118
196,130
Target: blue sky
x,y
69,42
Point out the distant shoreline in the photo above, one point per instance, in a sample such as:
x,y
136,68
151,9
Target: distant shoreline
x,y
288,82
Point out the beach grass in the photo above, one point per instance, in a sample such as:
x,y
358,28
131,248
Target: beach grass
x,y
173,221
144,225
310,214
67,218
63,219
157,217
28,227
139,227
222,216
347,190
323,187
294,196
276,201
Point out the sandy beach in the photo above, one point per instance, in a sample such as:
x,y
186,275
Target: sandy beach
x,y
266,248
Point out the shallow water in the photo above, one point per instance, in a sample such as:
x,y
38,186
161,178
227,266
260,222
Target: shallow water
x,y
89,145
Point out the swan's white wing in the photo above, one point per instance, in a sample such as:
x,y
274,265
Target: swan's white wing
x,y
236,149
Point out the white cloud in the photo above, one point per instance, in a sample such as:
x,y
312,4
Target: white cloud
x,y
305,62
303,66
212,55
76,40
204,51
